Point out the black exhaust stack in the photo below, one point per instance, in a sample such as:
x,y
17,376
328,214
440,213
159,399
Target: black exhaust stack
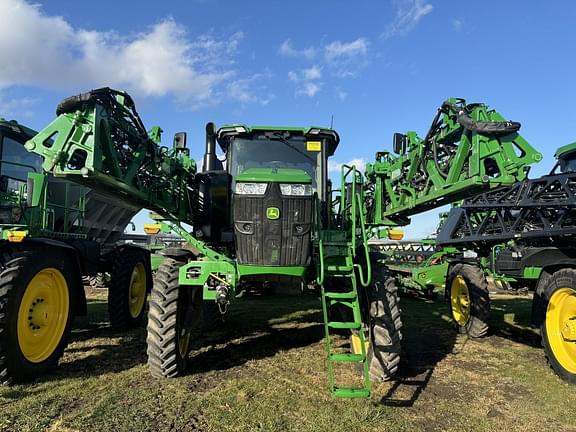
x,y
211,162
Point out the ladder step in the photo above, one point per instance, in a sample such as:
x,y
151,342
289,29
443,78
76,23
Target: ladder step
x,y
347,357
344,325
338,269
350,392
343,243
340,295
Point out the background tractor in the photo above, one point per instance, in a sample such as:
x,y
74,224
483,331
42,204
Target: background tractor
x,y
54,232
271,214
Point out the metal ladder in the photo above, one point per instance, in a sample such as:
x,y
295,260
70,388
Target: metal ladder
x,y
337,255
338,269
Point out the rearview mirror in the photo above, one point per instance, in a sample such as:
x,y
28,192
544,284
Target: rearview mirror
x,y
399,143
180,140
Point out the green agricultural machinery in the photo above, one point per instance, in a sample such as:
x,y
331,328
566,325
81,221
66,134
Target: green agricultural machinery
x,y
418,266
525,233
54,233
272,215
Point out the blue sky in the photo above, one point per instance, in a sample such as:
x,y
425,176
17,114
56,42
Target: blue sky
x,y
377,67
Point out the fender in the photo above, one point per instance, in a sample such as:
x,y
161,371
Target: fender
x,y
72,254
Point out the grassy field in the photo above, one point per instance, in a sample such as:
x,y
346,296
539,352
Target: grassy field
x,y
265,371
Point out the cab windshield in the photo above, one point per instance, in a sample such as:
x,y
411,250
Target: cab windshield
x,y
293,153
15,164
568,163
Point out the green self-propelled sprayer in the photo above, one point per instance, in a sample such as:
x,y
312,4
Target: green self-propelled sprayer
x,y
272,214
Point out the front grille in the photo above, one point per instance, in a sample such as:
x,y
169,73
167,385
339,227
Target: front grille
x,y
263,241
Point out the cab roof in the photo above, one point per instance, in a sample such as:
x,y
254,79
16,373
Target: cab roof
x,y
227,132
565,150
14,128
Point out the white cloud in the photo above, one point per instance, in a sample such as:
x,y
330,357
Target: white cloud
x,y
247,91
342,58
48,52
312,73
310,89
307,81
347,58
408,15
339,59
336,167
286,49
336,50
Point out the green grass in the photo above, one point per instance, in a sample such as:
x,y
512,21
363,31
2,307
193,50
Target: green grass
x,y
265,371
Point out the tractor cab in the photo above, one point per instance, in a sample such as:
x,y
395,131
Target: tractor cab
x,y
566,157
16,164
277,148
15,161
270,182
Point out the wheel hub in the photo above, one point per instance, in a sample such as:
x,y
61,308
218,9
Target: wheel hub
x,y
569,329
38,314
464,300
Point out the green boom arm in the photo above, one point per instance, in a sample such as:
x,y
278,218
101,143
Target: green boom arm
x,y
469,148
98,140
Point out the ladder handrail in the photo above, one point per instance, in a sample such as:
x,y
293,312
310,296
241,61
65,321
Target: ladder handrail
x,y
368,280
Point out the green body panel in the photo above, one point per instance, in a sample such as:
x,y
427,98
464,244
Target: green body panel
x,y
249,270
156,261
276,175
198,273
532,272
423,275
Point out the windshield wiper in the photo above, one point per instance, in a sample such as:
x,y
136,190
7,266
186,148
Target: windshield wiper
x,y
275,136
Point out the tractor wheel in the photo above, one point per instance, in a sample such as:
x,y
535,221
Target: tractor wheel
x,y
128,288
467,289
37,303
559,326
175,320
384,346
98,281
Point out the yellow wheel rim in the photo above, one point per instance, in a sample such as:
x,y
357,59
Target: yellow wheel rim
x,y
137,290
561,327
43,315
460,301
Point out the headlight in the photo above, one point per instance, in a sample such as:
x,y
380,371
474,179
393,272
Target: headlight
x,y
251,188
294,189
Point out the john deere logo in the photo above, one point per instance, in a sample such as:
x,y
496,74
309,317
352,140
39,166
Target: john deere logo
x,y
273,213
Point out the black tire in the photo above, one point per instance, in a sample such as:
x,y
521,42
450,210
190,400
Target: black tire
x,y
475,323
560,352
170,307
385,346
129,268
98,281
17,270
